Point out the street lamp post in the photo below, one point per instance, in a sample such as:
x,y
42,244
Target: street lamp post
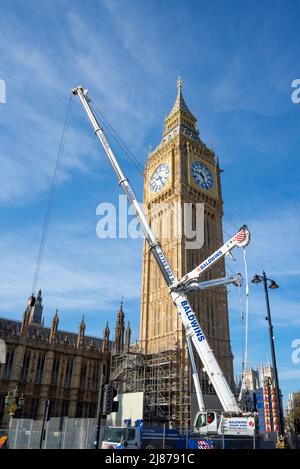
x,y
99,411
272,285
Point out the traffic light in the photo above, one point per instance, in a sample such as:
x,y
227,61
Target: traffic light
x,y
115,406
108,403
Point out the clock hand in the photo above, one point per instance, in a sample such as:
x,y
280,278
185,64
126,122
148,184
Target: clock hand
x,y
201,176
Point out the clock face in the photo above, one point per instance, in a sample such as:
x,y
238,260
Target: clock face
x,y
159,177
202,175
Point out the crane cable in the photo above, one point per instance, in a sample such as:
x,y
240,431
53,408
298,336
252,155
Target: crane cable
x,y
245,332
51,196
246,308
242,319
130,156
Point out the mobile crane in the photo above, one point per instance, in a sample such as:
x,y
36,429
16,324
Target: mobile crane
x,y
178,290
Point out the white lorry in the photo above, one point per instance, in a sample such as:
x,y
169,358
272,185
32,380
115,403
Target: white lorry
x,y
138,437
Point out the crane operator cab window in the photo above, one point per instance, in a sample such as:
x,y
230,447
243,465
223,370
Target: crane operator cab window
x,y
206,421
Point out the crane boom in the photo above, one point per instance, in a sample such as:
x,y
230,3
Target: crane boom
x,y
192,327
194,285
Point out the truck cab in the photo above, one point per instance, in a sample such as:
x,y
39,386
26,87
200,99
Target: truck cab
x,y
122,437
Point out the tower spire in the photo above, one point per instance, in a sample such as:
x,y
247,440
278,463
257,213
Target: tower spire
x,y
180,119
54,326
119,331
180,104
36,309
127,338
105,344
80,337
25,321
121,312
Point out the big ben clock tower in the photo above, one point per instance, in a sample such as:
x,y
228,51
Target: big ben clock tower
x,y
183,172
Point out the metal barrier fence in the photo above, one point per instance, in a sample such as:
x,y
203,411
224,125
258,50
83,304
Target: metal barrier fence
x,y
79,433
66,433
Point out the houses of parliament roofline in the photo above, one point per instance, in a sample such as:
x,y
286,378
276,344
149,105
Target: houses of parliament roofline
x,y
49,363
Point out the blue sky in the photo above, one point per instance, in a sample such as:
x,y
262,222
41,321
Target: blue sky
x,y
237,61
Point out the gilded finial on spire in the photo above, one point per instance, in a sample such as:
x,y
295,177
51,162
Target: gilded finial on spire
x,y
179,84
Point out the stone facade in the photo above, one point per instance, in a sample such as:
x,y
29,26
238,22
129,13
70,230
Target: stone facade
x,y
48,363
254,378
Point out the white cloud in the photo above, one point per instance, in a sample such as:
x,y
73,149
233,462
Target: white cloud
x,y
141,43
107,67
79,271
38,86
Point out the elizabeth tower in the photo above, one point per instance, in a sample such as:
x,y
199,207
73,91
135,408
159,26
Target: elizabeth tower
x,y
181,175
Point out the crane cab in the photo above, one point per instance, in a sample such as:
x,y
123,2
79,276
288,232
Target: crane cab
x,y
206,422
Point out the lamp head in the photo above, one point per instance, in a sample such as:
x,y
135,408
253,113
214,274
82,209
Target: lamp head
x,y
273,285
256,279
